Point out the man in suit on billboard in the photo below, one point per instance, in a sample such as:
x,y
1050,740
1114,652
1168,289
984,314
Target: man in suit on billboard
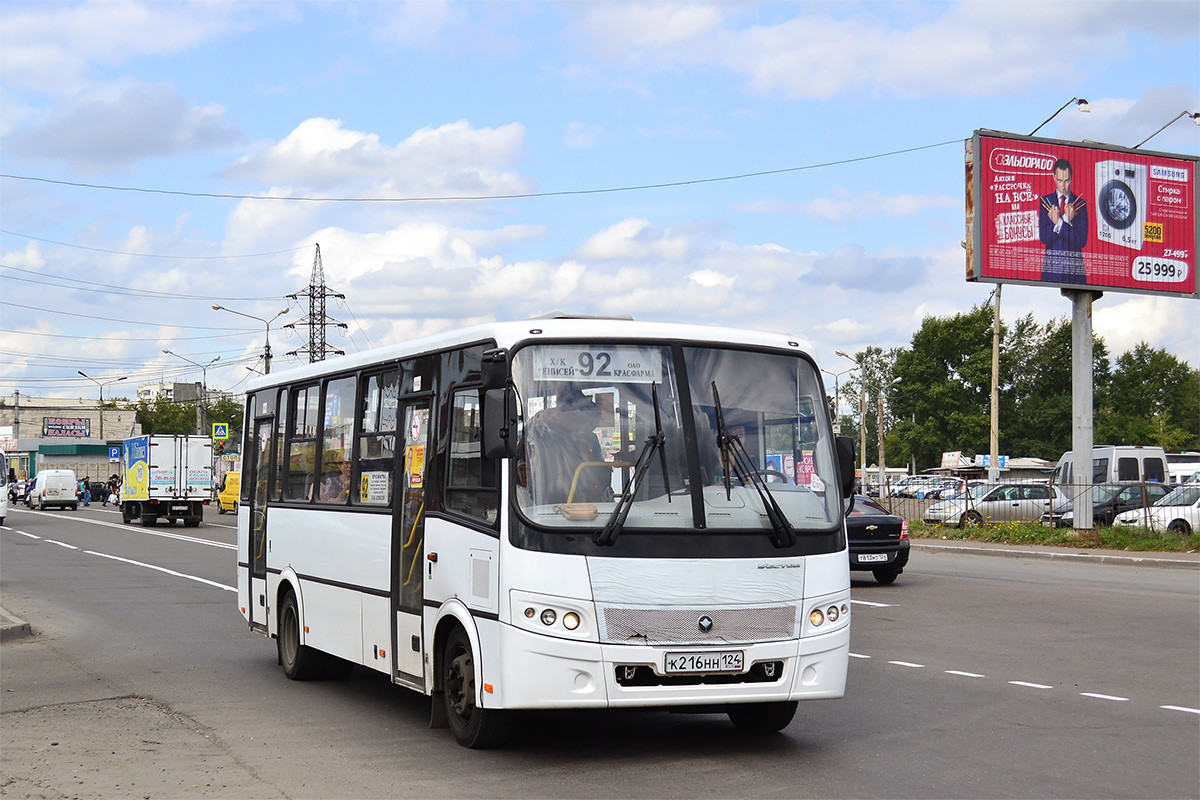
x,y
1063,229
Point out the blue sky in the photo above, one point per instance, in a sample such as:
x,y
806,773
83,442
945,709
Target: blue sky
x,y
842,244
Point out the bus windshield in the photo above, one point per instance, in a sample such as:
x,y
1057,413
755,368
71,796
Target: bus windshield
x,y
636,429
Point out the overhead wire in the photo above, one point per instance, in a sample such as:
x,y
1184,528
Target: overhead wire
x,y
119,290
480,197
156,255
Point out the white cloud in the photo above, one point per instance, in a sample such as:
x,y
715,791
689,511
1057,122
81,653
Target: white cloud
x,y
635,239
50,47
846,207
115,125
904,50
453,159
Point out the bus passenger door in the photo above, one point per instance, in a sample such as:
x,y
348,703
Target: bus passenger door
x,y
410,575
258,470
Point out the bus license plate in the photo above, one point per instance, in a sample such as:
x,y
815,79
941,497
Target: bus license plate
x,y
864,558
721,661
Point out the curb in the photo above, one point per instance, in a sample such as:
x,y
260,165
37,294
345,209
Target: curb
x,y
1190,561
12,628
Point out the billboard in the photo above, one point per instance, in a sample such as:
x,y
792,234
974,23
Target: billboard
x,y
1066,214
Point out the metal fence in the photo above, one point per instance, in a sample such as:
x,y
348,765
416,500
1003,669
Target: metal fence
x,y
1038,501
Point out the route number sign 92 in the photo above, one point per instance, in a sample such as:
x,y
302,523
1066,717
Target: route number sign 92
x,y
610,365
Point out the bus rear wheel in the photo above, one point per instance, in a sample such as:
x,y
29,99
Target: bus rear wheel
x,y
471,725
300,662
762,717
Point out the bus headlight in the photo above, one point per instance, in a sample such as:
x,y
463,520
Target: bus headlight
x,y
828,614
554,616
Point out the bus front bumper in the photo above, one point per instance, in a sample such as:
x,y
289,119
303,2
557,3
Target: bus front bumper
x,y
547,672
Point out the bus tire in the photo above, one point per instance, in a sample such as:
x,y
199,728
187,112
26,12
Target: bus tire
x,y
471,725
762,717
300,662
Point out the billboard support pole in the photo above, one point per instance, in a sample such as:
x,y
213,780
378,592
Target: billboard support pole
x,y
1081,403
994,463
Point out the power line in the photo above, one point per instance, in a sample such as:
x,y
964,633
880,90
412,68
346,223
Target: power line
x,y
126,321
470,198
118,290
152,255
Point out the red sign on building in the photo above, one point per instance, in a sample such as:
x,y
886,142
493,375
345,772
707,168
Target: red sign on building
x,y
1070,215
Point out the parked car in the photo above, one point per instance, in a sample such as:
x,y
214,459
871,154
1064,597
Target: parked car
x,y
1011,501
878,540
1178,512
1108,501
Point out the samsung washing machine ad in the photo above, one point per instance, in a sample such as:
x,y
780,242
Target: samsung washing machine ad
x,y
1071,215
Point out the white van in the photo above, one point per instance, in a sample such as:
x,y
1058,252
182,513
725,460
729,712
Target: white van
x,y
1116,463
54,487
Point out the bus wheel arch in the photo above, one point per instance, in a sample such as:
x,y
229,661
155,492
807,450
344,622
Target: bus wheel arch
x,y
299,661
457,681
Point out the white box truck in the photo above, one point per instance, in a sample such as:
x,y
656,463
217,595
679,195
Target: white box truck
x,y
166,476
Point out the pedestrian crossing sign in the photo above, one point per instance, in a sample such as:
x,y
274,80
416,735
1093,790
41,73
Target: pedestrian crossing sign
x,y
220,430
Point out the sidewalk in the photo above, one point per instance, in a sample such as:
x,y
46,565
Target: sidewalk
x,y
1080,555
12,627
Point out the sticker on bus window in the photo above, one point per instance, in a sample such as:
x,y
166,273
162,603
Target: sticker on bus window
x,y
374,489
598,364
416,466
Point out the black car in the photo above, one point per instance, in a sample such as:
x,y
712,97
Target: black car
x,y
1109,500
878,540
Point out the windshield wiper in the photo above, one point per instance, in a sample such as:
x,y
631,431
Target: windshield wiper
x,y
734,454
616,521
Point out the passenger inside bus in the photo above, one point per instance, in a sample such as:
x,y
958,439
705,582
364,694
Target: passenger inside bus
x,y
563,450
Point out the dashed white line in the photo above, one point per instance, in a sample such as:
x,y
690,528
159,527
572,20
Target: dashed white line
x,y
907,664
1104,697
872,605
163,569
858,655
1031,685
964,674
61,544
1182,708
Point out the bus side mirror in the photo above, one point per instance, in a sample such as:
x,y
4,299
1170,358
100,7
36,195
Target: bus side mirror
x,y
845,456
494,369
499,424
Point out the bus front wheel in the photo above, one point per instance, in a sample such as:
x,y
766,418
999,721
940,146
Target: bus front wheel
x,y
300,662
762,717
471,725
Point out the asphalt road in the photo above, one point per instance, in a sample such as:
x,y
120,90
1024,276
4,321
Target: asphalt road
x,y
973,676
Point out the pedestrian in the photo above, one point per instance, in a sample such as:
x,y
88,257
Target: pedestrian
x,y
86,490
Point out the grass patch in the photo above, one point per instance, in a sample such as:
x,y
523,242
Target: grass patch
x,y
1117,537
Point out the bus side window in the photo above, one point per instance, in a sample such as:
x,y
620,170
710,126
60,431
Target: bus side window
x,y
377,440
472,488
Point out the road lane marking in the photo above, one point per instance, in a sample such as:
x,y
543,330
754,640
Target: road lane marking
x,y
1104,697
1182,708
907,664
858,655
23,533
151,532
196,578
964,674
1031,685
62,544
872,605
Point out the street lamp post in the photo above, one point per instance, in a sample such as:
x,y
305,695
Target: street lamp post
x,y
837,403
200,411
266,340
101,384
862,420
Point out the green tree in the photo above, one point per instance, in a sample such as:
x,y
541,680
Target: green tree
x,y
941,401
1035,387
165,417
1152,398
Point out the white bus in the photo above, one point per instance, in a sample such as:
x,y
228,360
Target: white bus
x,y
551,514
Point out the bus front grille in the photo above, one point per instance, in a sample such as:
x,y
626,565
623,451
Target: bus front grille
x,y
697,626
